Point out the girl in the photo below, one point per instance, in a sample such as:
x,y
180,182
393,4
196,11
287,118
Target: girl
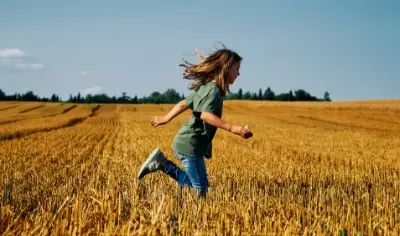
x,y
212,77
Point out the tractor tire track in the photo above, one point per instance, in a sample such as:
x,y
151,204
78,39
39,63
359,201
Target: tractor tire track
x,y
338,124
64,111
17,120
9,121
385,121
31,109
70,123
8,108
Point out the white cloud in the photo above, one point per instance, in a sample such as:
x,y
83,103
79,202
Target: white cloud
x,y
32,66
14,59
85,73
92,90
11,52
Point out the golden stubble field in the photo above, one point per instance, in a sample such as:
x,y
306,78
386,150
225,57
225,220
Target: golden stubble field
x,y
311,168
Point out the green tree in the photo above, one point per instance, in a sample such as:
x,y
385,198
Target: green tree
x,y
54,98
88,98
254,96
269,94
2,95
260,95
100,98
135,100
327,97
155,97
302,95
29,96
247,96
240,94
170,96
79,98
124,98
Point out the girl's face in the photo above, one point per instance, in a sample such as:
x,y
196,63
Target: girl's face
x,y
233,72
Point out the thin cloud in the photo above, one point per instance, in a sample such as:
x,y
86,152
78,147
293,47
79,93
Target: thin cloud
x,y
15,59
85,73
33,66
92,90
11,52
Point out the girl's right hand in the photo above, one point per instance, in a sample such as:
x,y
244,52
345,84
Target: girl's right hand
x,y
241,131
158,120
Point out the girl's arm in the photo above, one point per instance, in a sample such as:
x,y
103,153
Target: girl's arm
x,y
176,110
214,120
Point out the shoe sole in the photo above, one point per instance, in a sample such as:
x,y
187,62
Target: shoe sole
x,y
148,161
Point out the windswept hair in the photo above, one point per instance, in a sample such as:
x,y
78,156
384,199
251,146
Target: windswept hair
x,y
214,66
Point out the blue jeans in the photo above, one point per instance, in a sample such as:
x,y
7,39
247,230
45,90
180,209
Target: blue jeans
x,y
194,173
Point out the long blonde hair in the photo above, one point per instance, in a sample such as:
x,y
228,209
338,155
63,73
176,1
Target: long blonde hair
x,y
214,66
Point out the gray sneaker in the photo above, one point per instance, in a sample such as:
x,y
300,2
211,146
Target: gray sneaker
x,y
154,162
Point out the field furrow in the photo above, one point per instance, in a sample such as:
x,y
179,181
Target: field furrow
x,y
20,107
38,111
29,126
5,108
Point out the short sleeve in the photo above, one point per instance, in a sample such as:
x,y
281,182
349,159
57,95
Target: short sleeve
x,y
209,103
189,101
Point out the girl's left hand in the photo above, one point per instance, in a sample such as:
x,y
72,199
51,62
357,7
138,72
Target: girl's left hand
x,y
158,120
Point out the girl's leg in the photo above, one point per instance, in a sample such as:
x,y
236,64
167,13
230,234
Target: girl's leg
x,y
202,170
195,174
157,161
195,169
176,173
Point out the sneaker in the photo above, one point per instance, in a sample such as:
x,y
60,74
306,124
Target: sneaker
x,y
153,163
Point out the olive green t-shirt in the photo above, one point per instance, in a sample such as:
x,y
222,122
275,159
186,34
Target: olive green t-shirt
x,y
195,136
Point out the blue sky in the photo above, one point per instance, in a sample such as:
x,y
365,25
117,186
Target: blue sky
x,y
349,48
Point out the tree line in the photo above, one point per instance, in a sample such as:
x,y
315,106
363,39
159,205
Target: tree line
x,y
167,97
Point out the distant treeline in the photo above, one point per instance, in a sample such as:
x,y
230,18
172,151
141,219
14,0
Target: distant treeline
x,y
169,96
